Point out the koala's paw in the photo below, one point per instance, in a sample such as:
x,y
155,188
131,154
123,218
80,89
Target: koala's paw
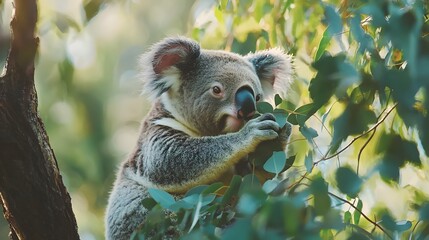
x,y
262,128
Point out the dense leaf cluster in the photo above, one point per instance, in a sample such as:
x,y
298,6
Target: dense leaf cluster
x,y
362,125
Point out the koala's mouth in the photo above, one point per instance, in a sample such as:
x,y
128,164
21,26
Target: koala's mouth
x,y
232,123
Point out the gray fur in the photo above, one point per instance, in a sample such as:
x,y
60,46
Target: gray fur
x,y
187,138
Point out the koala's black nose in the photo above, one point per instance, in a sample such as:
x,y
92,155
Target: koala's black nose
x,y
245,103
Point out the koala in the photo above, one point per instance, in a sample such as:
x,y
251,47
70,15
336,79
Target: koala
x,y
201,124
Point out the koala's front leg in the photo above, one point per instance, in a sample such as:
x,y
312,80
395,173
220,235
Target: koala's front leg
x,y
182,162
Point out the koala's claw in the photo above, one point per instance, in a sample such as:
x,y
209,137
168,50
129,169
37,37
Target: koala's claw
x,y
267,116
285,132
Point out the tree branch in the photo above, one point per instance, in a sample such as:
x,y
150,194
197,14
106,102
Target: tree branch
x,y
34,199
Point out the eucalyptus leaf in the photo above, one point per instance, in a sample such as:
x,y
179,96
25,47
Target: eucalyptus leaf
x,y
264,107
301,114
277,99
324,43
354,120
348,181
308,161
333,21
275,163
356,213
308,132
162,197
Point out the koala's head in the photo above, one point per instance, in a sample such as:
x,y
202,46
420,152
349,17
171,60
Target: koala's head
x,y
210,91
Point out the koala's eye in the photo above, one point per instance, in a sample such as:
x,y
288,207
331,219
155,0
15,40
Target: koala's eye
x,y
217,91
258,97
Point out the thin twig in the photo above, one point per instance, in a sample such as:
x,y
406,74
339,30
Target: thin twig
x,y
370,138
365,216
361,150
299,181
356,138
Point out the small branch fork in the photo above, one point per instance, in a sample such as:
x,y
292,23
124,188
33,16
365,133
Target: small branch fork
x,y
327,157
373,128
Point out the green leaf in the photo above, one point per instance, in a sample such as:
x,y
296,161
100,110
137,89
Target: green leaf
x,y
270,185
213,188
149,203
162,197
232,191
347,217
396,152
277,100
348,181
275,163
181,204
324,116
356,214
324,42
404,33
323,86
289,162
196,199
92,8
366,43
301,114
334,76
388,222
281,116
290,212
322,201
332,219
377,11
326,234
389,170
249,203
333,21
239,230
250,183
196,190
354,120
402,226
308,133
264,107
365,93
196,216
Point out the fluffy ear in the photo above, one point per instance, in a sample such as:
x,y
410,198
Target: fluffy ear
x,y
163,64
274,69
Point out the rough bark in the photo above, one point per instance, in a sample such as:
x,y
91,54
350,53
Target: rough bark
x,y
34,199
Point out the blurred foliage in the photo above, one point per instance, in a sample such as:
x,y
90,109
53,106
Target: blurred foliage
x,y
358,165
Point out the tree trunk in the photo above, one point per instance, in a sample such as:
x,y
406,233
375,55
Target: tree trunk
x,y
35,201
